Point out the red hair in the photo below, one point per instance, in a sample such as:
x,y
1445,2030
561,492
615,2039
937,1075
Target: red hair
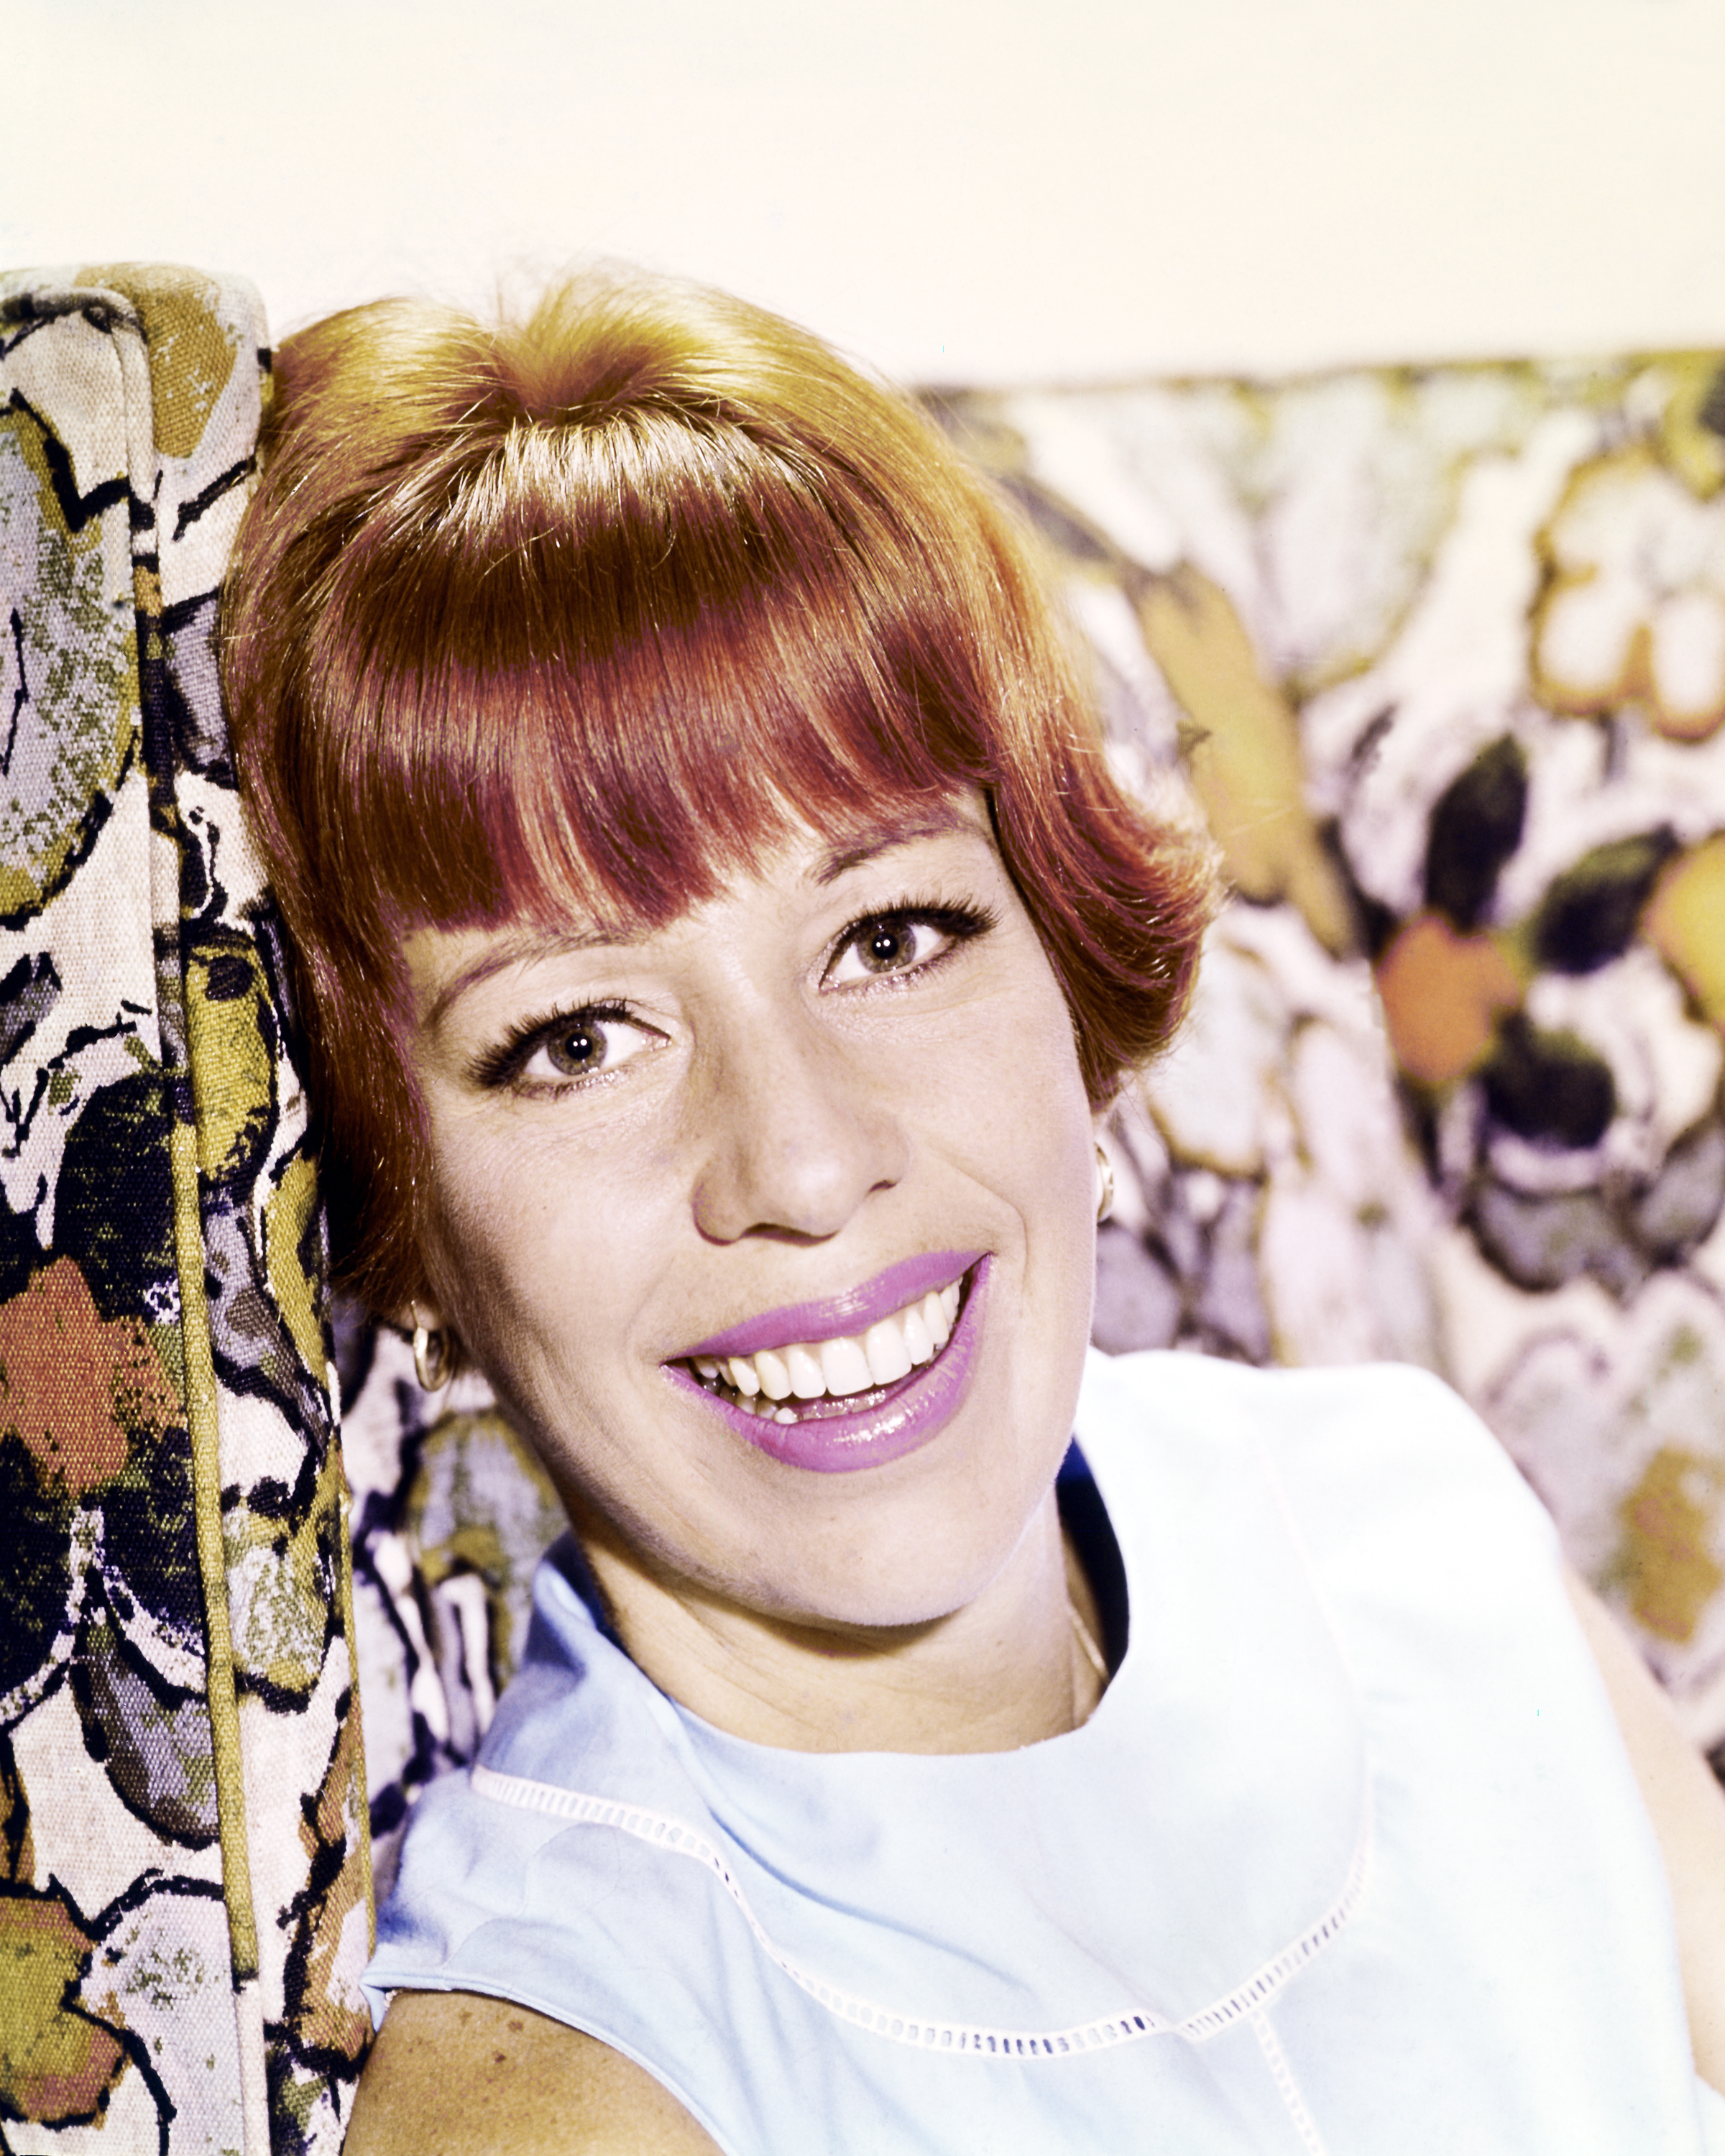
x,y
609,600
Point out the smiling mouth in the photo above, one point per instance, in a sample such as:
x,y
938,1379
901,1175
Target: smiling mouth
x,y
849,1374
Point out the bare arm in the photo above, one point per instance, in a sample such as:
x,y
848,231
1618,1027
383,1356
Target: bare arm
x,y
1687,1808
454,2074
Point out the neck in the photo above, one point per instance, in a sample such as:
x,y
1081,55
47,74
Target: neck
x,y
1004,1671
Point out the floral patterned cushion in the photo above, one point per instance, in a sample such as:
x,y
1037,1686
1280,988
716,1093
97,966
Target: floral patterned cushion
x,y
1441,653
183,1885
1441,656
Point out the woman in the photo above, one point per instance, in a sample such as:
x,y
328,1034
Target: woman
x,y
721,939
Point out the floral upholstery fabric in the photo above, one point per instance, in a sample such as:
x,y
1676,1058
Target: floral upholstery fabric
x,y
1441,654
1441,657
184,1888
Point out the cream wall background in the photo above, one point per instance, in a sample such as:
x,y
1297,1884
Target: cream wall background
x,y
986,190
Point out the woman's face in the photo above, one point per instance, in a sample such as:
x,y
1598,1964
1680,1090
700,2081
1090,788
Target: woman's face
x,y
731,1165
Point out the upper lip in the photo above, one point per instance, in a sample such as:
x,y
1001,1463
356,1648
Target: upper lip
x,y
853,1310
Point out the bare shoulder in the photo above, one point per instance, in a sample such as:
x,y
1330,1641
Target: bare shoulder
x,y
467,2075
1687,1808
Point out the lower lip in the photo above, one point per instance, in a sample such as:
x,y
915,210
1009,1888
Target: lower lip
x,y
906,1417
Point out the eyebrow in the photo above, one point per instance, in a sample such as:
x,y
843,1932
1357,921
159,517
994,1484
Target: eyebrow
x,y
528,943
521,947
937,821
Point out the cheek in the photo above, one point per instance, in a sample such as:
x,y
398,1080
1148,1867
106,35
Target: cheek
x,y
506,1226
1018,1092
1052,1143
545,1254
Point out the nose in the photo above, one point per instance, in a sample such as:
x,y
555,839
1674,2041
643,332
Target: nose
x,y
794,1136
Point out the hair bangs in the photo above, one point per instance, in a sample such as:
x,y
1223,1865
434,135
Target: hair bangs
x,y
579,714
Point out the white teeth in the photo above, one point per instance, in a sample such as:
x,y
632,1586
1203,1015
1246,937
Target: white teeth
x,y
844,1367
774,1373
813,1369
919,1343
888,1357
807,1382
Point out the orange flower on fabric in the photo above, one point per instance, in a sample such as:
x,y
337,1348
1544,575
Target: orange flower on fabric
x,y
75,1385
57,2063
1443,995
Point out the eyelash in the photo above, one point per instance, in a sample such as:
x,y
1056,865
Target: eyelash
x,y
502,1065
960,924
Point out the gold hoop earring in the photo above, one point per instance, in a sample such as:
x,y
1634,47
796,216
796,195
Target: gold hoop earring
x,y
1104,1184
433,1359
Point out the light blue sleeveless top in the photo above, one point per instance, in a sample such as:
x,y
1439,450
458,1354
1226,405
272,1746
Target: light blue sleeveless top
x,y
1348,1859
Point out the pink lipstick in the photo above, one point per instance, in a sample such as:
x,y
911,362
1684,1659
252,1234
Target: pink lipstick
x,y
867,1429
853,1311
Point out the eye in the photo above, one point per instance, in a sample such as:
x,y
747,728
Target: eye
x,y
907,940
573,1046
